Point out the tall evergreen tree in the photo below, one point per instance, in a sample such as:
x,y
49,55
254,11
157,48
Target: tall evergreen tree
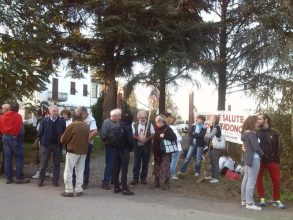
x,y
176,43
29,48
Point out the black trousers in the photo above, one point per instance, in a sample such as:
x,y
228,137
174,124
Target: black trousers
x,y
45,154
121,162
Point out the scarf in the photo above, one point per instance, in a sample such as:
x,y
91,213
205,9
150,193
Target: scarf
x,y
198,128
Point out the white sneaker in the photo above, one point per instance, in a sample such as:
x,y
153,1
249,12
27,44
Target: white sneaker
x,y
180,173
208,178
196,174
174,178
243,203
49,174
214,181
37,175
253,207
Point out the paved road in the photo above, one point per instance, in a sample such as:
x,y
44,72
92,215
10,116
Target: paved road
x,y
27,201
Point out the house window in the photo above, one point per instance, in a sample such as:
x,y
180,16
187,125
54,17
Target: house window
x,y
28,114
72,88
55,89
95,90
85,92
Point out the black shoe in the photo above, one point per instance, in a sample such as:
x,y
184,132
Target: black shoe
x,y
166,185
9,181
22,181
41,183
117,190
134,182
105,186
85,185
55,184
65,194
143,181
79,193
127,192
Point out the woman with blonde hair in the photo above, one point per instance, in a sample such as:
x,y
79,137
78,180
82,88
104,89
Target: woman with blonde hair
x,y
214,153
176,155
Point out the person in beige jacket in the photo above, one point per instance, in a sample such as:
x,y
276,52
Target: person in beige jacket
x,y
75,138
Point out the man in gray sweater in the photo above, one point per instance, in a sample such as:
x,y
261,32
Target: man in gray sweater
x,y
108,124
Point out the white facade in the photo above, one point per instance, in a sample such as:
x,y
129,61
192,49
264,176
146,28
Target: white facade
x,y
70,93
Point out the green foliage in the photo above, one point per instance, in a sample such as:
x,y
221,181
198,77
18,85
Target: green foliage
x,y
30,133
29,50
97,110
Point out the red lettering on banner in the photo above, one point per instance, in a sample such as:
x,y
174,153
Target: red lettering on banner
x,y
231,128
233,118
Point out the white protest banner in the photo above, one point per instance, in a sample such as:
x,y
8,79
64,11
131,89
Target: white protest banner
x,y
230,123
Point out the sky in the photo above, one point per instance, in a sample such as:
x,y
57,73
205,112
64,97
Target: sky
x,y
205,97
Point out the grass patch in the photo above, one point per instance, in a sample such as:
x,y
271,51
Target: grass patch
x,y
98,149
30,152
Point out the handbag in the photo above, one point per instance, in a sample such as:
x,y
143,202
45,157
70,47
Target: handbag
x,y
219,143
168,146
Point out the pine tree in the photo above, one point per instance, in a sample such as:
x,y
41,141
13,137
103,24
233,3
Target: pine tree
x,y
28,49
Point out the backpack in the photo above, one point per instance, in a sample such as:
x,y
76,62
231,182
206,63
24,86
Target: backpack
x,y
117,137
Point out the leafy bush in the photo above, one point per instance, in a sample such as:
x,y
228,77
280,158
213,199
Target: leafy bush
x,y
30,133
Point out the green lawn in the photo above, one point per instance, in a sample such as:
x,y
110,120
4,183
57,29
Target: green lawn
x,y
30,150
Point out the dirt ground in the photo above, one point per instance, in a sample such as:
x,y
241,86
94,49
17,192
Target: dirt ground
x,y
187,186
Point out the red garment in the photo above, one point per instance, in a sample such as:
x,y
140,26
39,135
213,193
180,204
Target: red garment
x,y
10,123
274,170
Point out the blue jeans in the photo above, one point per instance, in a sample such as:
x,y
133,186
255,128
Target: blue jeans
x,y
141,160
198,159
86,172
188,157
174,161
13,147
109,159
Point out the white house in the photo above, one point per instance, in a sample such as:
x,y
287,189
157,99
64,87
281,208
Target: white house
x,y
66,92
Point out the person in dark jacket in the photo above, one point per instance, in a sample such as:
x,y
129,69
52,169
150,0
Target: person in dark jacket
x,y
162,160
50,131
121,158
196,133
270,144
251,159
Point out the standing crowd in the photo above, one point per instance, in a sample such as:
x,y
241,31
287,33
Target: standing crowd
x,y
73,133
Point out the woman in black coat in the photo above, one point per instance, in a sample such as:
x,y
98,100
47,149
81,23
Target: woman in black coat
x,y
162,160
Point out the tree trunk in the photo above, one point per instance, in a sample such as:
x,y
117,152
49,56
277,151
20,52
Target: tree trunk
x,y
162,89
222,68
110,92
291,124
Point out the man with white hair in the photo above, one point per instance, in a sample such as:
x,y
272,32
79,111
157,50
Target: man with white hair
x,y
143,134
108,124
50,131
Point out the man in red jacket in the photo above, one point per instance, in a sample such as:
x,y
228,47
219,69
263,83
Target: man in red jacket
x,y
11,130
5,108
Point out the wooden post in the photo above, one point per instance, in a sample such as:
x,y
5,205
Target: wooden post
x,y
191,108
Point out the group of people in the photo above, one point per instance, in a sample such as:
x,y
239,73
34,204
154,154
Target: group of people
x,y
261,147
